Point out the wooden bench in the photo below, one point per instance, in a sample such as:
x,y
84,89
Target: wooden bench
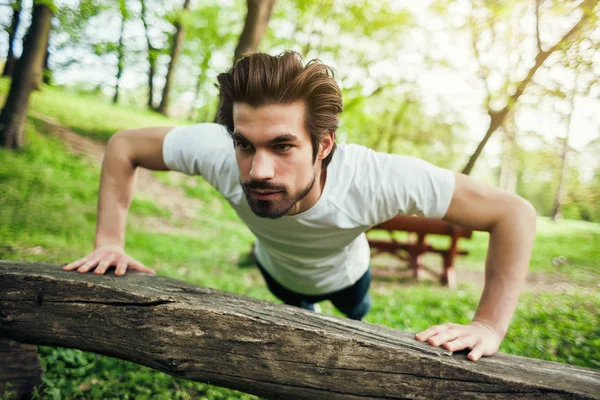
x,y
412,251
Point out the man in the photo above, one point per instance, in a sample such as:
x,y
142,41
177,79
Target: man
x,y
309,203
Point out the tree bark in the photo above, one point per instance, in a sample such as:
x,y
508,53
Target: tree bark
x,y
268,349
41,78
497,117
12,34
257,21
163,108
151,59
121,56
29,66
47,72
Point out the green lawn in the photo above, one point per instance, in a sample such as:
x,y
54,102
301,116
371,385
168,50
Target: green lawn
x,y
48,213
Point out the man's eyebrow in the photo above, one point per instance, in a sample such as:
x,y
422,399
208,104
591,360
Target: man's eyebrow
x,y
239,136
285,138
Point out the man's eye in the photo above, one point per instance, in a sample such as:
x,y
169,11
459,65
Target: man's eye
x,y
283,147
243,145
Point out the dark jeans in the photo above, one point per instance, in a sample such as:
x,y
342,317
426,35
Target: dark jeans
x,y
353,301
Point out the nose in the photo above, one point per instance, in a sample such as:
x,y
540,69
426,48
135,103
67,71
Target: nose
x,y
262,167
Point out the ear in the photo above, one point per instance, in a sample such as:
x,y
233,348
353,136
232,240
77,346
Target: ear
x,y
326,145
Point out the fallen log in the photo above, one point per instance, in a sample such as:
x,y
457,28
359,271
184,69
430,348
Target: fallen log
x,y
268,349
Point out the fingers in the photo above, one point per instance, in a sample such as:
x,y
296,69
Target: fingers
x,y
88,265
444,337
434,330
121,268
74,264
103,266
481,340
462,343
104,258
476,353
138,266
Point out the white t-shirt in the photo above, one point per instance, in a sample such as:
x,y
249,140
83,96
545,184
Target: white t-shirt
x,y
323,249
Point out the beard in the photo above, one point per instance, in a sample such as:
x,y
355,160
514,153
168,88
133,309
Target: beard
x,y
274,208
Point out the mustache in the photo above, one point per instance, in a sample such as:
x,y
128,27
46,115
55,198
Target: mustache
x,y
263,185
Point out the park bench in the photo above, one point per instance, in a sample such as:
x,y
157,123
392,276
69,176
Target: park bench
x,y
413,250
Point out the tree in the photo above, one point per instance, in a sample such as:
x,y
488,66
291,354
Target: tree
x,y
120,49
560,192
578,63
12,34
178,37
497,117
257,21
27,70
152,54
508,167
44,77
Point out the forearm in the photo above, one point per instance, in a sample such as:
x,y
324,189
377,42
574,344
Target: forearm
x,y
115,194
511,241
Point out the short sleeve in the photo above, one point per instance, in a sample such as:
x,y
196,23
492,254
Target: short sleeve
x,y
391,184
206,150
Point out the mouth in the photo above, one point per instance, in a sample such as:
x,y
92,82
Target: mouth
x,y
265,194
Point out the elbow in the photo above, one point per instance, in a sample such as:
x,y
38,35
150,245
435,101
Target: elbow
x,y
528,209
118,147
516,212
525,213
118,139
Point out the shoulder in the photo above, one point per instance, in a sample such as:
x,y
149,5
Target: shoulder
x,y
203,149
375,186
206,135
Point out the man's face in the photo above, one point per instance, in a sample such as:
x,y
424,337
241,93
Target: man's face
x,y
274,155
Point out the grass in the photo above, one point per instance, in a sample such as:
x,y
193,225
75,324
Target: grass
x,y
89,116
48,213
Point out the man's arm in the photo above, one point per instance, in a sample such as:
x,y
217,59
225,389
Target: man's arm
x,y
125,151
511,221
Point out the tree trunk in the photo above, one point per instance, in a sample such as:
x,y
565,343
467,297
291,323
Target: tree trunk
x,y
560,191
12,118
268,349
508,167
163,108
47,72
192,111
497,117
257,21
201,79
41,78
121,58
12,34
151,59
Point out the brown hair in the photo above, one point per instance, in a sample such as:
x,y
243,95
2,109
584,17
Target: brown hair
x,y
260,79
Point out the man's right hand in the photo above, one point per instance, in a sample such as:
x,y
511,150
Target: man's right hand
x,y
105,257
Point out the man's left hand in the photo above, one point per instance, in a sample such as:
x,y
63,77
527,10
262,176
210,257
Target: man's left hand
x,y
481,338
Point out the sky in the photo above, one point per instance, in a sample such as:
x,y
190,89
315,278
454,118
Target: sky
x,y
456,88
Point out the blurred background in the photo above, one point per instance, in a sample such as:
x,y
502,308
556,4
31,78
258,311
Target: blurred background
x,y
419,78
506,91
